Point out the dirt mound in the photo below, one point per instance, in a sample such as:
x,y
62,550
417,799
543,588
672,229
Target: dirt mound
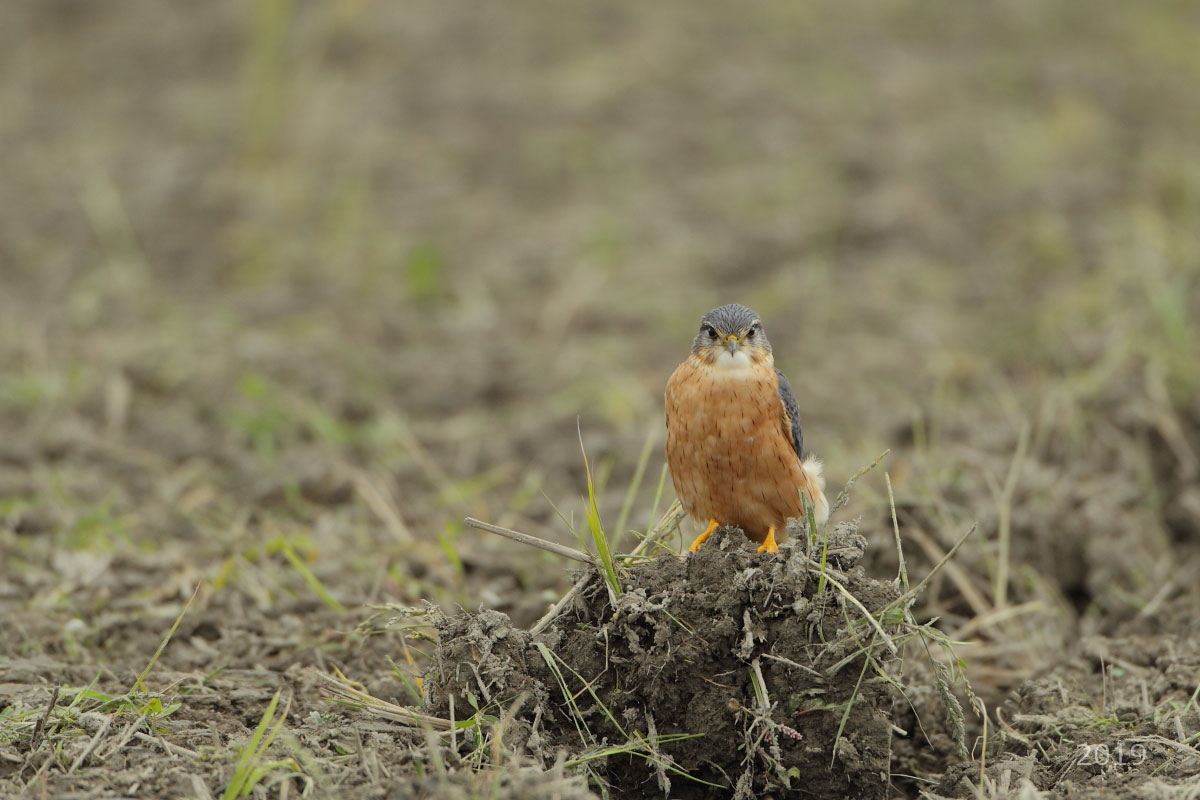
x,y
727,668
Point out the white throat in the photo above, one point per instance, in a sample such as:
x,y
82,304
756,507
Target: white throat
x,y
732,365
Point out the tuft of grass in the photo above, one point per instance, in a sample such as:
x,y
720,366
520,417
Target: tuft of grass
x,y
585,734
250,769
604,555
945,678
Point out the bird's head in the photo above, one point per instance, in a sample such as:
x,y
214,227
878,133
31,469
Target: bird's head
x,y
731,336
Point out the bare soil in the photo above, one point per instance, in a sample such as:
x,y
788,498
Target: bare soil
x,y
289,289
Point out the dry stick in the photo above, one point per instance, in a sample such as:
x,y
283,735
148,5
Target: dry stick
x,y
1160,596
991,618
669,522
903,573
130,729
1004,500
1192,702
91,745
532,541
41,724
562,603
200,788
981,709
381,504
961,581
169,747
765,711
912,593
41,773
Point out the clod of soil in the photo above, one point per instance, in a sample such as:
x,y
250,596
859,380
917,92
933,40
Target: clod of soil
x,y
756,660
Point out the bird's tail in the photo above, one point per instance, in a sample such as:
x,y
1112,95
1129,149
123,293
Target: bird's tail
x,y
815,470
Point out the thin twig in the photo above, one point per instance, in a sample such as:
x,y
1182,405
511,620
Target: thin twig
x,y
858,604
130,729
200,788
991,618
903,573
793,664
562,603
843,496
916,590
981,710
381,504
764,702
673,516
41,773
532,541
91,745
975,599
41,724
1004,500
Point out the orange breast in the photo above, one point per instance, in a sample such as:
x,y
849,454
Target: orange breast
x,y
730,455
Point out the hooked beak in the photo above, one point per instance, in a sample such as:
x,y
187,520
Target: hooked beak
x,y
731,343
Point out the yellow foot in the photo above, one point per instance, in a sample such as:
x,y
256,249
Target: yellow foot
x,y
712,526
769,542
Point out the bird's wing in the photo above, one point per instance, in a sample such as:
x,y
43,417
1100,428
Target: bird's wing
x,y
791,415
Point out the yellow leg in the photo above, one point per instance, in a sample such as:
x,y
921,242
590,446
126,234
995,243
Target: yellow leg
x,y
712,526
769,542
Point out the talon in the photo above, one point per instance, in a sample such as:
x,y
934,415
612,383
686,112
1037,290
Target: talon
x,y
769,542
712,526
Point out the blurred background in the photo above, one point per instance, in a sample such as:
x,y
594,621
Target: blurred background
x,y
323,278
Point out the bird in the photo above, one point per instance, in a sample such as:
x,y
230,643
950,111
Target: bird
x,y
734,444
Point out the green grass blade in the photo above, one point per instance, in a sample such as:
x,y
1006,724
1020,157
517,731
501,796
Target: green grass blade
x,y
599,539
312,580
138,682
240,784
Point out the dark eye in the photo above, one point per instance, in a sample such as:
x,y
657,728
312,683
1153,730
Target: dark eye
x,y
753,330
708,330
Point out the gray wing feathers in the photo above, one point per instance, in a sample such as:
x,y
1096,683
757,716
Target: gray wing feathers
x,y
793,413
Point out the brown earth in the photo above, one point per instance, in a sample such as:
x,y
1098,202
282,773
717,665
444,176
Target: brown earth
x,y
288,289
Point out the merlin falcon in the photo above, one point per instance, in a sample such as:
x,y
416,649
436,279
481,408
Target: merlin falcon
x,y
734,444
